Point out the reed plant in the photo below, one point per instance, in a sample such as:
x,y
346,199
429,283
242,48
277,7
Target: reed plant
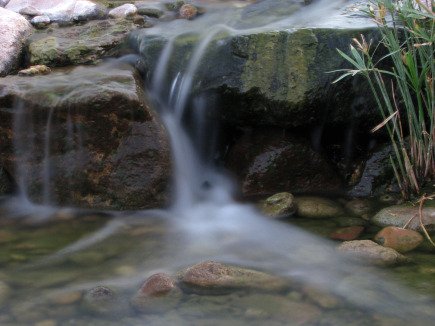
x,y
403,89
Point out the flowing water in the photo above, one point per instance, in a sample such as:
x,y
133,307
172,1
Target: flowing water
x,y
49,266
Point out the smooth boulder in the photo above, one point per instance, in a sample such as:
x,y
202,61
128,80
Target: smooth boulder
x,y
401,240
371,252
15,30
399,215
317,207
211,277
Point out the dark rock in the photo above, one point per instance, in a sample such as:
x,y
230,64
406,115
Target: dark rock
x,y
360,207
215,278
150,9
107,148
7,185
82,44
371,252
270,161
401,240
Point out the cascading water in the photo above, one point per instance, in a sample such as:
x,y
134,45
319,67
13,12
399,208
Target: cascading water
x,y
205,220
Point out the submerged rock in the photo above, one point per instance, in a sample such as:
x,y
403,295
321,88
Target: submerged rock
x,y
401,240
188,11
158,293
347,233
371,252
83,44
100,299
399,215
210,277
107,148
318,207
360,207
271,160
279,205
15,30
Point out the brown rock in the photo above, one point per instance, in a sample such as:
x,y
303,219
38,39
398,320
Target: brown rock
x,y
401,240
158,293
188,11
347,233
211,277
371,252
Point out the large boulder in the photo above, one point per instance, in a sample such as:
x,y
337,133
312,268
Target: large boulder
x,y
62,11
275,75
84,137
15,30
81,44
268,161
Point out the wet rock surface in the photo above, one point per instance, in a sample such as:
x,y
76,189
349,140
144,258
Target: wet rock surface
x,y
371,252
401,240
270,161
109,151
15,30
213,277
399,215
82,44
347,233
279,205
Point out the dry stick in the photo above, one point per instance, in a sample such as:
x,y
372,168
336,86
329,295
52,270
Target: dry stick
x,y
420,212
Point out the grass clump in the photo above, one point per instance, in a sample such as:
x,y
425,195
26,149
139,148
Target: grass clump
x,y
404,91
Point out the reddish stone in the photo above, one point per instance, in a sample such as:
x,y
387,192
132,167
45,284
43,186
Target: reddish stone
x,y
347,233
157,285
401,240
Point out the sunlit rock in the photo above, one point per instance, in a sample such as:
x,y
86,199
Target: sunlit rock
x,y
124,11
371,252
15,30
401,240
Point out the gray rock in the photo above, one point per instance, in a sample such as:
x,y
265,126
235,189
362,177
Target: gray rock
x,y
109,151
317,207
371,252
15,30
100,300
399,215
40,21
123,11
30,11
